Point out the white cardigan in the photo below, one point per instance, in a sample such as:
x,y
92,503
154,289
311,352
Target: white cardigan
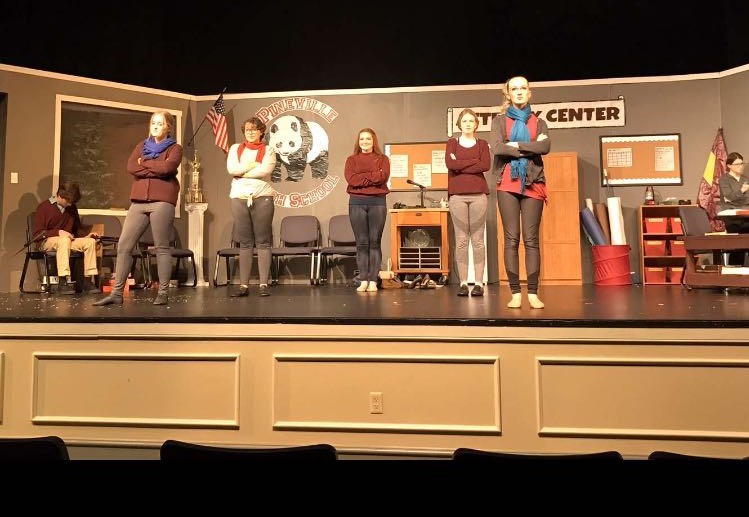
x,y
249,184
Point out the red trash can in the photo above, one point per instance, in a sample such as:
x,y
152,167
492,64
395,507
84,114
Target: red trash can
x,y
611,265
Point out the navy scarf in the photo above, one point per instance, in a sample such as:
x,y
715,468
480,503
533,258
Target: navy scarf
x,y
519,133
152,150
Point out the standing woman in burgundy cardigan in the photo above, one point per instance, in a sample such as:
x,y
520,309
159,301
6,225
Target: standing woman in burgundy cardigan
x,y
519,139
467,159
153,165
367,172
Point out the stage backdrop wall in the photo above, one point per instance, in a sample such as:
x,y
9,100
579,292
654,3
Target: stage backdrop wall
x,y
694,106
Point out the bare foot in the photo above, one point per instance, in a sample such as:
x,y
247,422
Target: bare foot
x,y
372,287
362,287
514,303
535,302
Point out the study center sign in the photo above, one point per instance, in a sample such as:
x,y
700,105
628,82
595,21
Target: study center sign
x,y
558,115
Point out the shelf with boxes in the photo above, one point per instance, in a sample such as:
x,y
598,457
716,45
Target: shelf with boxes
x,y
662,253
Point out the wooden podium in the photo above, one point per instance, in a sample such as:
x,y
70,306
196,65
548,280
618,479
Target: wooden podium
x,y
420,257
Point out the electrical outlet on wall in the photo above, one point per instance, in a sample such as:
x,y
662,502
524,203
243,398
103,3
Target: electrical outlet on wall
x,y
375,402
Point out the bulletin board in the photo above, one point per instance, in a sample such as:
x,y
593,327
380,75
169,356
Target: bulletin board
x,y
641,160
422,162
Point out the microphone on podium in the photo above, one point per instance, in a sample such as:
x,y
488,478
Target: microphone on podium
x,y
422,188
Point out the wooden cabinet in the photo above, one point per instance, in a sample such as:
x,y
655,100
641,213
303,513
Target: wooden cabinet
x,y
419,240
662,253
561,262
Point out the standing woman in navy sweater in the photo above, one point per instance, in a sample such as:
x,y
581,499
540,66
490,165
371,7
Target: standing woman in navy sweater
x,y
467,159
153,165
519,139
367,172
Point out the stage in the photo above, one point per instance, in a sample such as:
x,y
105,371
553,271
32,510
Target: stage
x,y
583,306
402,372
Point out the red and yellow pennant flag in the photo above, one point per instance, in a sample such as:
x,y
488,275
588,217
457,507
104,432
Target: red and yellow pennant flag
x,y
708,196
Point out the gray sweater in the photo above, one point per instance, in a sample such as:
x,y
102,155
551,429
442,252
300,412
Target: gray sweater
x,y
504,154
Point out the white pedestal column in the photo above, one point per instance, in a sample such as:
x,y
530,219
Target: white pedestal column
x,y
196,212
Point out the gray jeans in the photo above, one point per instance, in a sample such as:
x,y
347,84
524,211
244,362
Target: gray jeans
x,y
468,214
253,228
160,215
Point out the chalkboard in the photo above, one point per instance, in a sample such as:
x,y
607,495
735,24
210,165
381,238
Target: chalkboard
x,y
422,162
641,160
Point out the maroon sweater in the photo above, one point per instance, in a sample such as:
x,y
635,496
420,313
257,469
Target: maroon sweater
x,y
465,173
48,221
155,179
367,174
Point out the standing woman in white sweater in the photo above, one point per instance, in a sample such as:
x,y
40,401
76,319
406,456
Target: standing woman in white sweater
x,y
251,163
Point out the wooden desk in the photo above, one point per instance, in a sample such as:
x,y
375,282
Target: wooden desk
x,y
714,244
415,259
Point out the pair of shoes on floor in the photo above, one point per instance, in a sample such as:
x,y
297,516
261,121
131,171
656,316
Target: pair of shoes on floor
x,y
427,283
65,289
112,299
162,298
243,290
89,288
264,290
478,290
414,283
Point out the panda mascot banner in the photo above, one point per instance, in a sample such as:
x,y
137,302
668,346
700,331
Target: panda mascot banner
x,y
299,144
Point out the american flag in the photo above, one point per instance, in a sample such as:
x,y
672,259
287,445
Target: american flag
x,y
217,117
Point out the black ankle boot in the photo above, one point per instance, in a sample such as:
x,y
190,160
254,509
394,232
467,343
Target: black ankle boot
x,y
65,287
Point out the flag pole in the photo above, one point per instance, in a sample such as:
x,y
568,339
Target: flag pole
x,y
195,133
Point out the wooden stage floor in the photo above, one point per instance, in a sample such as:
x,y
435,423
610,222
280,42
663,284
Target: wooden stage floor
x,y
566,306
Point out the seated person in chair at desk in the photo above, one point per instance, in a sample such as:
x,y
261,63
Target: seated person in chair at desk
x,y
58,225
733,195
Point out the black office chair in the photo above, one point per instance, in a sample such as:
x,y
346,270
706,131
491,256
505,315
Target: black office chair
x,y
145,243
465,455
112,228
675,456
229,256
341,243
48,258
173,450
299,237
41,448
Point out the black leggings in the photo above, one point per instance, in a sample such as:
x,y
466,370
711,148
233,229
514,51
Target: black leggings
x,y
510,207
368,222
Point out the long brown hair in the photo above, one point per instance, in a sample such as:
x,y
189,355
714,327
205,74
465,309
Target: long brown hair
x,y
375,144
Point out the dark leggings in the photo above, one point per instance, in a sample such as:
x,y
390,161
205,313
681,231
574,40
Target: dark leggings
x,y
510,207
368,222
253,227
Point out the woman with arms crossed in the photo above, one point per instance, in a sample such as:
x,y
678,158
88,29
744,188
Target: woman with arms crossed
x,y
467,159
153,164
367,172
519,139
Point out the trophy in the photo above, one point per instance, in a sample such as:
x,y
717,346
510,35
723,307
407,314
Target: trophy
x,y
195,193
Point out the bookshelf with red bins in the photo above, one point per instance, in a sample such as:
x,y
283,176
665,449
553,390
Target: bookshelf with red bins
x,y
661,261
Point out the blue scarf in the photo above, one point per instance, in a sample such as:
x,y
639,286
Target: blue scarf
x,y
520,133
152,150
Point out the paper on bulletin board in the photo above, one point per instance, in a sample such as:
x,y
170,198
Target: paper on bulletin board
x,y
422,174
399,166
438,162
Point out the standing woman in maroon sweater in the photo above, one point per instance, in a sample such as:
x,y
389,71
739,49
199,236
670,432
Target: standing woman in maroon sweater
x,y
153,165
467,159
367,172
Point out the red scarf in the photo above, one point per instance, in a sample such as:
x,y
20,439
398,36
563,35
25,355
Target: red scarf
x,y
259,147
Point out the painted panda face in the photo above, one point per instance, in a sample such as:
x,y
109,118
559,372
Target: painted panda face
x,y
286,135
